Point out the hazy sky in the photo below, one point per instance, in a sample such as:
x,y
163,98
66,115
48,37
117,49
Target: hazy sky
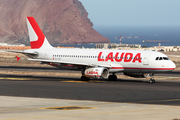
x,y
133,12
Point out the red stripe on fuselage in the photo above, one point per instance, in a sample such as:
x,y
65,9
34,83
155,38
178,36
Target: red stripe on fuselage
x,y
149,68
142,68
117,68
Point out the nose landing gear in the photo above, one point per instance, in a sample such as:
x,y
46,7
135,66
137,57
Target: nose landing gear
x,y
152,78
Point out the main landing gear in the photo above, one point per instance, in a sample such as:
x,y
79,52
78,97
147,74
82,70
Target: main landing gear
x,y
152,78
112,77
84,78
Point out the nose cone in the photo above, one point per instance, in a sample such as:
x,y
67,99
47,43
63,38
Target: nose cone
x,y
173,65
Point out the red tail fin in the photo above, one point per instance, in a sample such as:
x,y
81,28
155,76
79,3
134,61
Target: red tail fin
x,y
37,38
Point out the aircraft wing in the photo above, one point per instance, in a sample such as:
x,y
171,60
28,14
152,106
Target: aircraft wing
x,y
71,63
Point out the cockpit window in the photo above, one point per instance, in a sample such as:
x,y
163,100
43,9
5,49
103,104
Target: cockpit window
x,y
165,58
162,58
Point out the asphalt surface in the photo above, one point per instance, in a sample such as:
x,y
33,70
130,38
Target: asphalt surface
x,y
54,69
163,92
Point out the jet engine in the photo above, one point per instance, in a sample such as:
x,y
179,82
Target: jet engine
x,y
97,72
137,75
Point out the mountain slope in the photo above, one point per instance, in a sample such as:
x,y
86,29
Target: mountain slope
x,y
62,21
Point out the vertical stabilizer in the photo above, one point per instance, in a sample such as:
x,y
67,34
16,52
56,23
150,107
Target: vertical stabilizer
x,y
37,38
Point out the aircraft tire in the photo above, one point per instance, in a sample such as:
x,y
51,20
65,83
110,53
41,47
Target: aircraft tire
x,y
112,78
84,78
152,81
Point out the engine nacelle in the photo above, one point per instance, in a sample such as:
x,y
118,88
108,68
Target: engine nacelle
x,y
137,75
96,72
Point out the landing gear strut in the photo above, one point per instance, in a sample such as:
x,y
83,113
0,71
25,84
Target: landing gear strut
x,y
112,77
152,78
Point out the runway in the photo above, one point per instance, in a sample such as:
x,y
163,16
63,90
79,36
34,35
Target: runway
x,y
57,70
40,97
163,92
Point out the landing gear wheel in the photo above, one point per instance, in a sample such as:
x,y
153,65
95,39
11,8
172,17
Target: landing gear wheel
x,y
152,81
84,78
112,78
152,78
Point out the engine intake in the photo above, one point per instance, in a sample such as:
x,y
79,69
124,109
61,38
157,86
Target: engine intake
x,y
95,72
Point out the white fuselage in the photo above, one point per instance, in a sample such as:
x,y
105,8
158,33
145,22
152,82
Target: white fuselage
x,y
118,60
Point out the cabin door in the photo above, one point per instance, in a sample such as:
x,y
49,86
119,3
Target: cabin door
x,y
146,58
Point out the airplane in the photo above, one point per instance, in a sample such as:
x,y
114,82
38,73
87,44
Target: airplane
x,y
96,63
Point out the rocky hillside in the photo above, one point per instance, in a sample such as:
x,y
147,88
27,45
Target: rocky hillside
x,y
62,21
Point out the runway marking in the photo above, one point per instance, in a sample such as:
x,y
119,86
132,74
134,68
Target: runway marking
x,y
68,108
19,78
58,108
18,109
75,81
85,114
167,77
161,100
91,81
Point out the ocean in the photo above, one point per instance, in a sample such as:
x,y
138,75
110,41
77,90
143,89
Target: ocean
x,y
167,35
